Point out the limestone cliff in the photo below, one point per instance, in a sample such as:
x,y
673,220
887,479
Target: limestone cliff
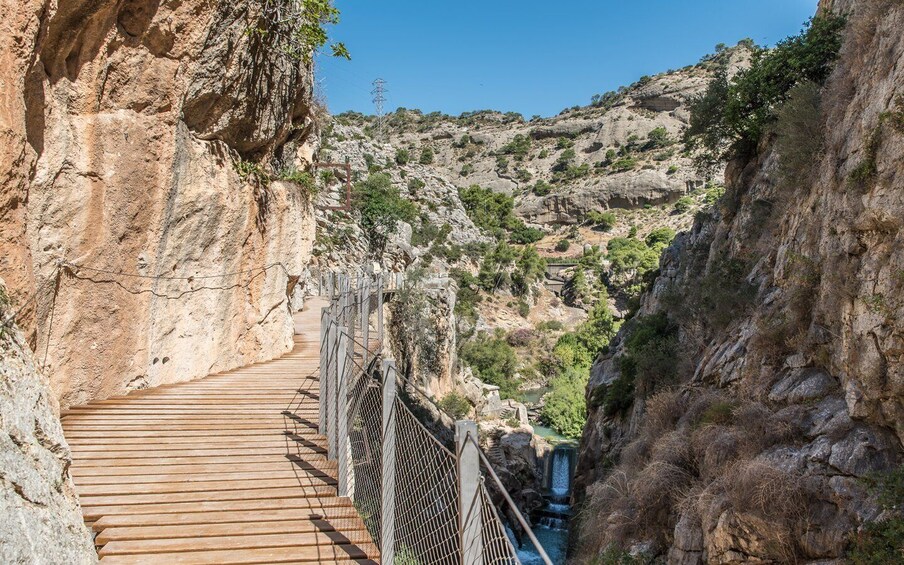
x,y
42,522
138,136
779,318
589,158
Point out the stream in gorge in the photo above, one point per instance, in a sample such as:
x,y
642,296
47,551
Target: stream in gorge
x,y
551,523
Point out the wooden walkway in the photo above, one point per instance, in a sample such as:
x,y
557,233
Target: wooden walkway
x,y
225,469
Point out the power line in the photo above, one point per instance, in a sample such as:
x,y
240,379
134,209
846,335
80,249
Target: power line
x,y
379,94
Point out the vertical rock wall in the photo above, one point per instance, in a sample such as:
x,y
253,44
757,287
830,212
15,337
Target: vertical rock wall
x,y
799,389
122,131
41,521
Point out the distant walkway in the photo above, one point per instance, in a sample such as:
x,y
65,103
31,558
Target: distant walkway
x,y
225,469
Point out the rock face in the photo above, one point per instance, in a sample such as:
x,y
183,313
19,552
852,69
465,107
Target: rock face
x,y
125,127
42,521
342,245
787,312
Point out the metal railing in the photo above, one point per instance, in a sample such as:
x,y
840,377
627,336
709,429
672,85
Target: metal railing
x,y
422,502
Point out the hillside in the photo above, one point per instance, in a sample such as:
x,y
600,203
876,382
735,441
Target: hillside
x,y
620,152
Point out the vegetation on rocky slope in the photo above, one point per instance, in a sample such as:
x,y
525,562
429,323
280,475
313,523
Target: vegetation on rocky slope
x,y
723,419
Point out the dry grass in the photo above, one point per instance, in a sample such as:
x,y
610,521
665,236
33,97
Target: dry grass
x,y
697,452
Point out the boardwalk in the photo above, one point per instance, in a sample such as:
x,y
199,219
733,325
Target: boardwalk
x,y
226,469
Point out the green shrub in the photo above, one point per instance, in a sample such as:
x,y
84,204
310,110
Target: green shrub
x,y
739,111
565,407
624,164
542,188
659,238
402,157
564,143
543,154
631,259
455,405
650,360
427,156
518,147
494,213
502,164
684,204
523,309
303,179
563,245
602,220
658,138
550,326
530,267
882,541
415,185
494,361
713,194
672,170
381,208
466,170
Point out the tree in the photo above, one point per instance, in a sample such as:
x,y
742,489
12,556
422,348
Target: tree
x,y
735,113
565,407
381,208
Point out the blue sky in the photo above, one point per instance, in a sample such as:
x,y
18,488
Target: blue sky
x,y
530,56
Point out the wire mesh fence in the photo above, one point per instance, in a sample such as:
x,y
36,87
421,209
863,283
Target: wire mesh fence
x,y
420,502
366,443
427,526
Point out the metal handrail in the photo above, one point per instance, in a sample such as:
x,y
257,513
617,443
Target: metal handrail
x,y
349,314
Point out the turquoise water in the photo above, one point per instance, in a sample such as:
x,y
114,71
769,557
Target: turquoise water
x,y
550,434
554,542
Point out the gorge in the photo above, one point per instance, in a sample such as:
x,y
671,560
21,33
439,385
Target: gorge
x,y
674,313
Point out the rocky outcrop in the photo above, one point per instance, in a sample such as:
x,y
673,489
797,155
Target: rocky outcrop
x,y
627,191
137,139
787,320
42,521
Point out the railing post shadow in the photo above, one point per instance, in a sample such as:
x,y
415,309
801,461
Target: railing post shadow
x,y
325,323
388,490
342,440
328,383
470,526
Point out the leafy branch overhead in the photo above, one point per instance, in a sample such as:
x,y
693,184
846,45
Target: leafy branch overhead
x,y
300,27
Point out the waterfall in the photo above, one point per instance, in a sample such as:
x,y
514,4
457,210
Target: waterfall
x,y
561,473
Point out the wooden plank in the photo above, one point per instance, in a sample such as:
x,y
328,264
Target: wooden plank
x,y
328,554
355,543
297,502
333,514
257,527
213,486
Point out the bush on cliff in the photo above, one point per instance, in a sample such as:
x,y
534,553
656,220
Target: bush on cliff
x,y
494,213
737,112
494,361
381,207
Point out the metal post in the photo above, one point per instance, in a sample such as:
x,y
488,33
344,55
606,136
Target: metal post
x,y
342,413
324,366
380,283
470,525
365,320
387,494
329,381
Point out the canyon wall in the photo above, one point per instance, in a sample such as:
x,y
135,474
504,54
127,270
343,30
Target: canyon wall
x,y
42,522
783,326
131,200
